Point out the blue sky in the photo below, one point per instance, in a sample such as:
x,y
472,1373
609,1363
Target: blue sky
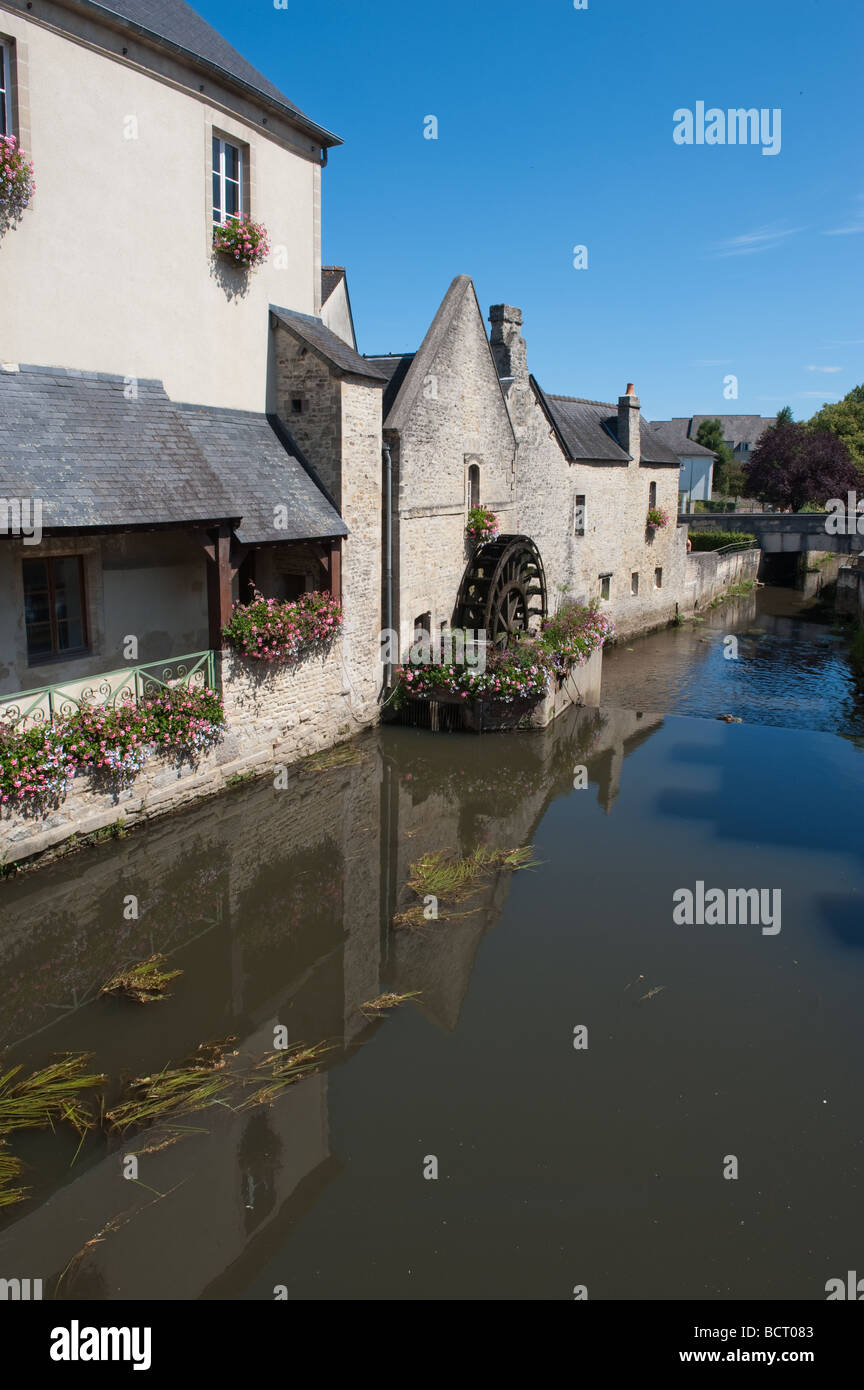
x,y
555,129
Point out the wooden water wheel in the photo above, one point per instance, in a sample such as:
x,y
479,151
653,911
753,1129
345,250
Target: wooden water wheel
x,y
503,590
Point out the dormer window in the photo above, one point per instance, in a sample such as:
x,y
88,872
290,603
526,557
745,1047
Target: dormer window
x,y
227,180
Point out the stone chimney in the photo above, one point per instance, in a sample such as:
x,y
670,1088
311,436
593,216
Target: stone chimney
x,y
628,423
508,345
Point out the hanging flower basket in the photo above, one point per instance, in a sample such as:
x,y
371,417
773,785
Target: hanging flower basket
x,y
17,184
657,519
242,241
482,525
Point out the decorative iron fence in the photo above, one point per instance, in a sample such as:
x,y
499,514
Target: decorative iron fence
x,y
52,702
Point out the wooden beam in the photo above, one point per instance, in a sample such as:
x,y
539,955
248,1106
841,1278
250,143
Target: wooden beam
x,y
219,585
336,568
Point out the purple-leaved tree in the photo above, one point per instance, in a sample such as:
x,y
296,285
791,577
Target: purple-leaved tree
x,y
792,465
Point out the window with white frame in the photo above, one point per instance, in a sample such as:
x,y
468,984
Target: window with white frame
x,y
5,87
227,180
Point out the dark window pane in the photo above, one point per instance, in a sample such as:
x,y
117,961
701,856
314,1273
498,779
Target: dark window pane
x,y
232,162
68,603
217,194
215,154
35,575
232,199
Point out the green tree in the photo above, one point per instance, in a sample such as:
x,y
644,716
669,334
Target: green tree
x,y
728,473
785,416
845,419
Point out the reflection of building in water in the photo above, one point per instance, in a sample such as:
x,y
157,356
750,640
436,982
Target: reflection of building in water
x,y
277,906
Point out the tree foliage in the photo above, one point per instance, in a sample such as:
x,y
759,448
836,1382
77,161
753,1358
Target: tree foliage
x,y
845,419
728,473
793,464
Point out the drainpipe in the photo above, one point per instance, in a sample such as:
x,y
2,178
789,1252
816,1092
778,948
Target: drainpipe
x,y
388,558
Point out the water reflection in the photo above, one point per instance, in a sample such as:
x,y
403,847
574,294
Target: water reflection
x,y
277,906
791,668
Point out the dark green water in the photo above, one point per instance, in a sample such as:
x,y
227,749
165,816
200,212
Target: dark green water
x,y
557,1166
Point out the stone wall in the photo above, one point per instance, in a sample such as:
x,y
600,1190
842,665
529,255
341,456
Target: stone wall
x,y
708,575
850,591
615,541
274,716
458,419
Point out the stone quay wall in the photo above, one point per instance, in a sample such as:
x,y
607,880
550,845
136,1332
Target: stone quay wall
x,y
273,716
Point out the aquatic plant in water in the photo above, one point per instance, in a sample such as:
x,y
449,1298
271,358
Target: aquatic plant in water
x,y
49,1096
143,982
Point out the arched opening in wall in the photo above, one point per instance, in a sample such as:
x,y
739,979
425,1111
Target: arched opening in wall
x,y
652,494
473,485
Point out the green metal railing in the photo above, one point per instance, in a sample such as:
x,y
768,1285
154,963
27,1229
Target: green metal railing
x,y
51,702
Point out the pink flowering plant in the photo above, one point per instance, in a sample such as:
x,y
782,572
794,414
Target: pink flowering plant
x,y
243,241
522,671
269,630
482,525
17,184
111,742
657,518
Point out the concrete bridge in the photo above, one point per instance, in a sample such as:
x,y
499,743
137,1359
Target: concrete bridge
x,y
779,532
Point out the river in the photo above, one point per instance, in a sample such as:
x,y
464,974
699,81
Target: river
x,y
558,1104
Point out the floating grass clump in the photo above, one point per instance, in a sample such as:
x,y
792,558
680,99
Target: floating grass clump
x,y
449,879
49,1096
195,1085
10,1169
144,982
343,755
277,1070
376,1007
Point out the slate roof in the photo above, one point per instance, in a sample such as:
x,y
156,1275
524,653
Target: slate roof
x,y
588,428
180,26
261,468
589,432
674,433
99,460
394,367
331,276
740,429
325,344
654,448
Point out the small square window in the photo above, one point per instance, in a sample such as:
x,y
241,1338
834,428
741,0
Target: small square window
x,y
658,577
579,516
605,585
297,407
634,583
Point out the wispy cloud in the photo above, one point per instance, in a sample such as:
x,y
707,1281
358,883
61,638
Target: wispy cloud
x,y
823,369
845,342
855,226
751,243
713,361
817,395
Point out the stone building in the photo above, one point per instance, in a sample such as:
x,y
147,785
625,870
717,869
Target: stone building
x,y
157,410
466,424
